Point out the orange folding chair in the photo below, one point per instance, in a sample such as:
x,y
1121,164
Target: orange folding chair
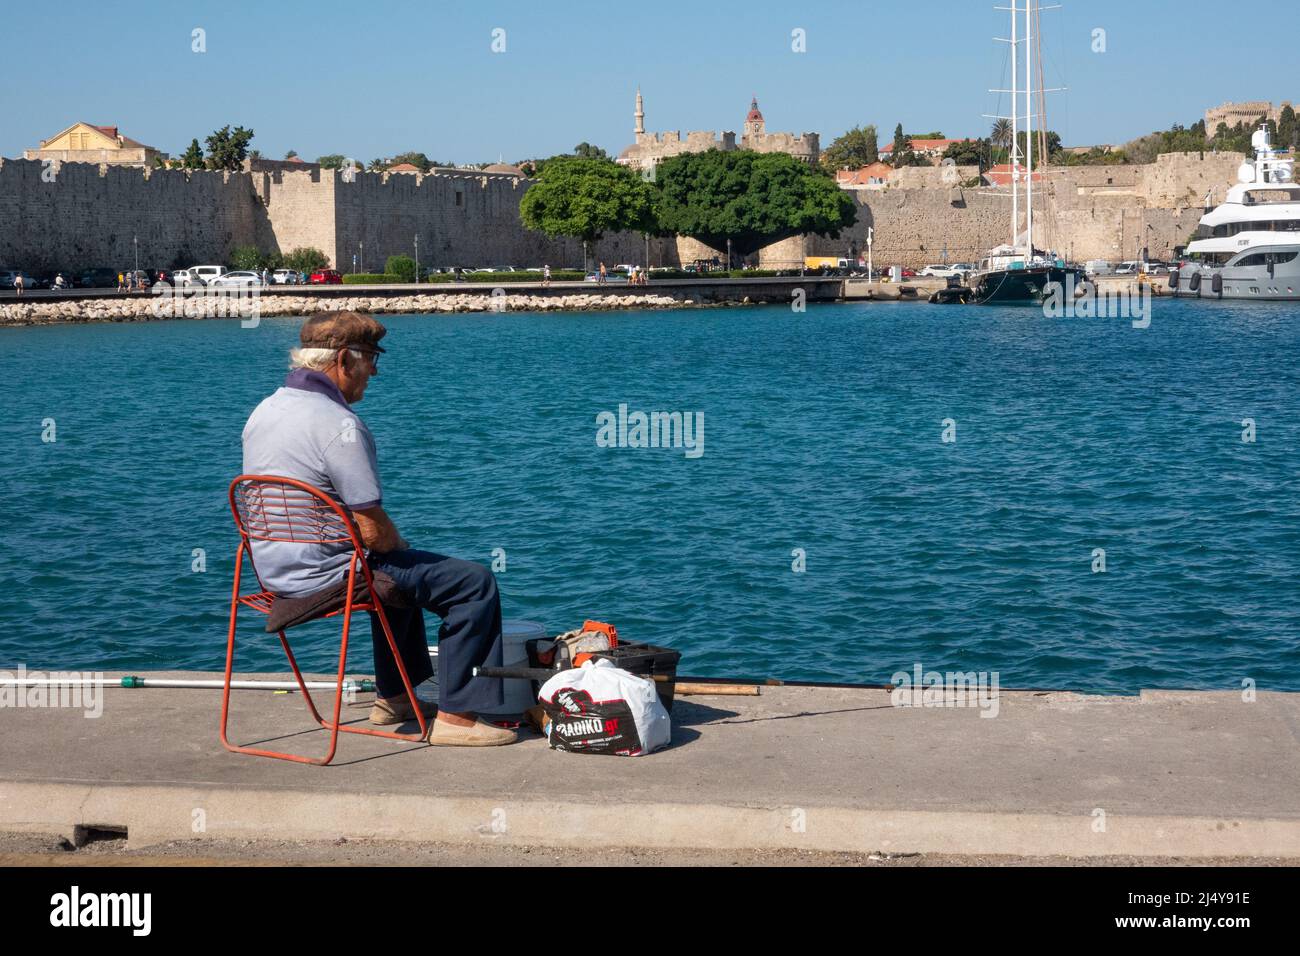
x,y
273,508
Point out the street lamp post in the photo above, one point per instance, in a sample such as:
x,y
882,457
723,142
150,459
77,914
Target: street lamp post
x,y
362,247
135,241
417,258
871,272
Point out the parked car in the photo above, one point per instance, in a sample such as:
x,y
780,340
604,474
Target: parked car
x,y
182,278
940,271
241,279
325,277
284,277
98,278
1099,267
143,279
9,280
1127,268
207,273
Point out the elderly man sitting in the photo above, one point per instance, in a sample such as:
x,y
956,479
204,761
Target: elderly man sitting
x,y
307,430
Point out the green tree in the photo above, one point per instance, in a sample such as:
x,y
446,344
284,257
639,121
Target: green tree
x,y
245,257
900,140
401,266
227,149
753,199
1288,133
854,149
306,259
332,161
586,198
192,157
909,158
418,160
291,154
972,152
1001,133
585,150
378,165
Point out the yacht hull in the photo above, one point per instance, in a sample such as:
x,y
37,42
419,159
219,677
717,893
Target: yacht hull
x,y
1027,286
1242,282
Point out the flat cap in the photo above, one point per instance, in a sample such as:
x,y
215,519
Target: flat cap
x,y
342,330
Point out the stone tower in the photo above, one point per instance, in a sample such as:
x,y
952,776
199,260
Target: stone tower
x,y
754,125
640,114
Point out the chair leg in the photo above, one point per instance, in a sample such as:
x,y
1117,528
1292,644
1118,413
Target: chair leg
x,y
406,681
335,727
225,692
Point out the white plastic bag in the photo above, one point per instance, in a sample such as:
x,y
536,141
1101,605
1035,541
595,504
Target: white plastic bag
x,y
602,709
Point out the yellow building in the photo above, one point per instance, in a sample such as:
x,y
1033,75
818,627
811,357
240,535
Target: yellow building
x,y
83,143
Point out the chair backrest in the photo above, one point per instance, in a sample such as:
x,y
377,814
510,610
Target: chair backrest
x,y
275,508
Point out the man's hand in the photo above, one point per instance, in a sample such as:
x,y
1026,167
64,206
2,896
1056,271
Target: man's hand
x,y
378,533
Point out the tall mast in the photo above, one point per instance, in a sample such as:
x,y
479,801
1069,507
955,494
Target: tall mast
x,y
1014,152
1029,129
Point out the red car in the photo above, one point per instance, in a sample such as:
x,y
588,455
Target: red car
x,y
325,277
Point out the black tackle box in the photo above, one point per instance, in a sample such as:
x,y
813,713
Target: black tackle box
x,y
658,664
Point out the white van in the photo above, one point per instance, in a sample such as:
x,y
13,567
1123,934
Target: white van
x,y
206,274
1099,267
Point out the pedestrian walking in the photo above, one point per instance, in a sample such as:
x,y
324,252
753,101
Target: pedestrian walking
x,y
546,275
18,284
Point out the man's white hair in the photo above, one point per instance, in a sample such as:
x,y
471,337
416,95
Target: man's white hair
x,y
318,359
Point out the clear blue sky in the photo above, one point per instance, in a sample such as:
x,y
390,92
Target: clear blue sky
x,y
372,80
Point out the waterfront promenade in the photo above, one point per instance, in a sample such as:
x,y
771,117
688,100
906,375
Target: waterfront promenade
x,y
1190,775
108,305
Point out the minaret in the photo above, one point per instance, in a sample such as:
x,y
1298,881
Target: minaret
x,y
640,114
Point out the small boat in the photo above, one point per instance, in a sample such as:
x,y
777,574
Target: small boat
x,y
952,295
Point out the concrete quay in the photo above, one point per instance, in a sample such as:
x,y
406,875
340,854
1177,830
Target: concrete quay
x,y
1194,775
108,305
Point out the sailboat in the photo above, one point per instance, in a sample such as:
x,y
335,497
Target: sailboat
x,y
1018,271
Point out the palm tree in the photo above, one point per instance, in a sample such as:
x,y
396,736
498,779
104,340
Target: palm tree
x,y
378,165
1001,134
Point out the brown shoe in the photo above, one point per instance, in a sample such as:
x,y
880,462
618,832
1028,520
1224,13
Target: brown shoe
x,y
478,734
398,710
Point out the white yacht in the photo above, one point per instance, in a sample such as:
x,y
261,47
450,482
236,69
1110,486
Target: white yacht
x,y
1248,247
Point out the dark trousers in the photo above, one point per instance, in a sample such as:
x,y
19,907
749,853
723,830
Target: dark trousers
x,y
464,595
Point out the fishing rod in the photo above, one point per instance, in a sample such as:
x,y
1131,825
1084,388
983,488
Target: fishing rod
x,y
363,686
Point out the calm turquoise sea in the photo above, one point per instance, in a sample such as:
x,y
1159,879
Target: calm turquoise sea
x,y
822,432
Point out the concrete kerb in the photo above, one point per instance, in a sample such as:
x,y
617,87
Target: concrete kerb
x,y
155,814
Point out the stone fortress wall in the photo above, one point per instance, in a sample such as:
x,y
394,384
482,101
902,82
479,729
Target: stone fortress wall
x,y
1090,212
85,215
